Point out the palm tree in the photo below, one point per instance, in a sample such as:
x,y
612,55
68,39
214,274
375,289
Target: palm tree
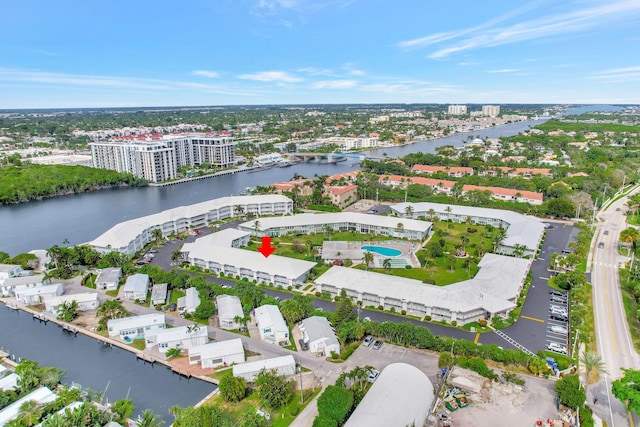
x,y
448,209
309,244
256,227
156,233
432,214
368,259
519,250
628,236
408,211
592,363
68,311
30,413
149,419
191,330
238,210
176,256
399,228
386,264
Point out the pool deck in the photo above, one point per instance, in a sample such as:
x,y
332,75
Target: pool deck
x,y
334,250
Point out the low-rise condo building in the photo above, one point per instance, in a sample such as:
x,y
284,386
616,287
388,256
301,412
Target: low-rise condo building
x,y
136,327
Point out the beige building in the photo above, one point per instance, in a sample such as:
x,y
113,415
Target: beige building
x,y
342,195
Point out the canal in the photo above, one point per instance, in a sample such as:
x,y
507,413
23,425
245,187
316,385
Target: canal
x,y
110,370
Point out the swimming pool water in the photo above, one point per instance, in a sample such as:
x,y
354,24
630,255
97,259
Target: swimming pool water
x,y
382,251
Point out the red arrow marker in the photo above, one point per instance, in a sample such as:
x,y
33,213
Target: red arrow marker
x,y
266,249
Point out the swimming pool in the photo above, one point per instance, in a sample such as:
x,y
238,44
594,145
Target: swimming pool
x,y
382,251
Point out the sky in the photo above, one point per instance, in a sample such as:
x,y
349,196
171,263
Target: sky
x,y
123,53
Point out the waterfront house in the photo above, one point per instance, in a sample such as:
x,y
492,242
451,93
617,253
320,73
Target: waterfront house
x,y
273,329
284,366
136,327
108,279
85,300
10,382
182,337
317,333
214,354
159,294
136,287
31,295
189,302
8,286
229,309
9,270
41,396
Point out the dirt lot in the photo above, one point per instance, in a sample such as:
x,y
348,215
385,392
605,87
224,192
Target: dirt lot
x,y
507,404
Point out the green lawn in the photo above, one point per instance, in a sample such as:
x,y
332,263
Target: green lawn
x,y
175,294
138,344
633,219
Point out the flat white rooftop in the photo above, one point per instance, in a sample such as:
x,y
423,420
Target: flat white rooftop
x,y
136,321
217,349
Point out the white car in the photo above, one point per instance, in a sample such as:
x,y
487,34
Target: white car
x,y
367,341
558,329
373,376
558,348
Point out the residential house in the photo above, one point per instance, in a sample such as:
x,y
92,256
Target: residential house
x,y
8,286
189,302
85,300
398,181
136,327
181,337
342,195
453,171
159,294
31,295
41,396
304,187
136,287
284,366
10,382
214,354
9,270
316,331
273,329
108,279
229,309
508,194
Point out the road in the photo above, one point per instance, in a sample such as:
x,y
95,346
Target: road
x,y
612,331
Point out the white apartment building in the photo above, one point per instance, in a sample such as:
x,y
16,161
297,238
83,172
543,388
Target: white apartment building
x,y
456,110
357,143
159,159
491,110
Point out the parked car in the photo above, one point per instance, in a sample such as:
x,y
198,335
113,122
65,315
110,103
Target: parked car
x,y
606,232
377,345
557,308
367,341
559,317
601,245
173,307
558,348
373,376
557,293
560,300
558,329
304,346
366,319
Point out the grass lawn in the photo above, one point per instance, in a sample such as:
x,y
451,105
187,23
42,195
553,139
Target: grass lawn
x,y
113,293
138,344
175,294
633,219
279,418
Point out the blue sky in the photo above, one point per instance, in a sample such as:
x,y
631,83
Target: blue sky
x,y
225,52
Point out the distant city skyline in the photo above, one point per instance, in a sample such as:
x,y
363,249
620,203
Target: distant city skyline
x,y
250,52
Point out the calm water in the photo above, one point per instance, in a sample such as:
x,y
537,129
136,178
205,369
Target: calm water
x,y
82,217
99,367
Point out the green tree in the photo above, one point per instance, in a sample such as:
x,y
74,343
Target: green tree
x,y
386,264
627,389
344,310
202,416
296,308
68,311
156,234
368,259
232,389
570,391
30,413
110,309
324,421
275,390
560,208
592,363
149,419
205,309
335,402
123,409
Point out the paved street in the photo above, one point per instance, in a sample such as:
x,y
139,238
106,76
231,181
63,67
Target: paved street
x,y
612,331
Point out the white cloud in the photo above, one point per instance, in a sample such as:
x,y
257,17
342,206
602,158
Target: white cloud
x,y
618,75
271,76
605,15
334,84
206,73
352,70
504,70
313,71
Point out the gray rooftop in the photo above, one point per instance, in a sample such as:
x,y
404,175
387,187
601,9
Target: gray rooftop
x,y
319,328
137,283
109,275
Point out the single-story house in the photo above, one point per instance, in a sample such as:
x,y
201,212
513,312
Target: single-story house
x,y
229,308
181,337
189,302
136,287
85,300
9,270
159,294
108,279
316,331
136,327
41,395
8,285
284,366
10,382
271,324
214,354
35,295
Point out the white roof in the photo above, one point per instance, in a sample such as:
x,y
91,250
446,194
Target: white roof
x,y
2,369
218,349
41,395
270,316
25,290
80,298
274,265
222,238
138,283
229,307
23,280
9,382
190,300
179,333
7,268
268,364
120,235
497,281
159,291
304,219
136,321
522,229
318,328
109,275
401,396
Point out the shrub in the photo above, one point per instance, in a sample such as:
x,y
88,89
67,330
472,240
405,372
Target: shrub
x,y
403,312
289,287
445,360
454,323
318,294
427,318
480,366
482,322
380,307
173,352
232,389
324,421
294,410
335,402
408,267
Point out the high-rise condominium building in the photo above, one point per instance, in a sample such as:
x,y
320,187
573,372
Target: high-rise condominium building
x,y
159,159
457,109
491,110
